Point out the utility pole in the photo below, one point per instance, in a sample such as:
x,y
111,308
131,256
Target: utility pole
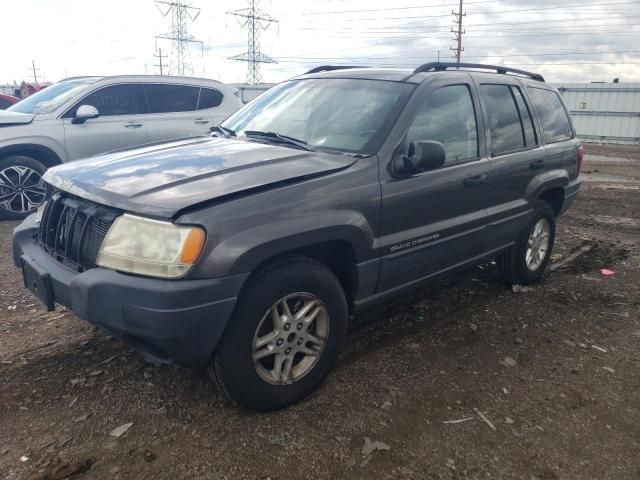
x,y
254,20
159,56
458,32
181,14
34,70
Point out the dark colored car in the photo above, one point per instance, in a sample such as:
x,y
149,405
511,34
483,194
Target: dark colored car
x,y
7,100
247,252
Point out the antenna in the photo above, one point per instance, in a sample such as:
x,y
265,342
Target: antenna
x,y
181,14
254,20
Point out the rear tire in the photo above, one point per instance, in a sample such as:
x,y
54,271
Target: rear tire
x,y
22,189
523,263
284,336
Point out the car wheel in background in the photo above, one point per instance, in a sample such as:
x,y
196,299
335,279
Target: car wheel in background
x,y
284,336
525,262
22,189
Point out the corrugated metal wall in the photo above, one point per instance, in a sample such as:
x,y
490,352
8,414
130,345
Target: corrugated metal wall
x,y
604,112
249,92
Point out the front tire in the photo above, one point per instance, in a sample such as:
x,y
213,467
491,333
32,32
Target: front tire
x,y
524,262
284,336
22,189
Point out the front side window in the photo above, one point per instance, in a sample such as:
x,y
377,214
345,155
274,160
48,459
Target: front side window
x,y
209,98
447,116
352,115
165,98
555,122
126,99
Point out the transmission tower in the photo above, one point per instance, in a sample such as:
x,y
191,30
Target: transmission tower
x,y
254,20
458,32
181,14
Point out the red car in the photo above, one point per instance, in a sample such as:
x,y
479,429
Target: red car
x,y
7,100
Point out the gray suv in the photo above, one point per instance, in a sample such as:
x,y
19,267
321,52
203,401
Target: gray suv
x,y
248,251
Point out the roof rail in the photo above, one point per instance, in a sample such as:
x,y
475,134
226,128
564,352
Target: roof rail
x,y
442,66
328,68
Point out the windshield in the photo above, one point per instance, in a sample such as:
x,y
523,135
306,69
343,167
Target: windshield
x,y
50,98
336,114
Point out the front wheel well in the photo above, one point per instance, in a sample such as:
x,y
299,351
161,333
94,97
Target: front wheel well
x,y
337,255
44,155
555,198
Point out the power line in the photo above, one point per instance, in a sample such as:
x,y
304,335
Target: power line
x,y
254,20
458,32
181,14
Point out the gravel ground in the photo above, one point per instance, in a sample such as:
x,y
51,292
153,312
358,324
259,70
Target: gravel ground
x,y
462,379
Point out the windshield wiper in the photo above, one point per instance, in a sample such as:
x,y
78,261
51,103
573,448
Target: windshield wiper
x,y
274,136
227,132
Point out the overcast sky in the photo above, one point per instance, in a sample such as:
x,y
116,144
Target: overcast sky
x,y
568,41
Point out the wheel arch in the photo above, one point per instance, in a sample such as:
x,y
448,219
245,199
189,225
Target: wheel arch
x,y
43,154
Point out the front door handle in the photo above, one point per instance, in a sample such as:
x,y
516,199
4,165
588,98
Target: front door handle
x,y
475,181
201,121
132,125
536,165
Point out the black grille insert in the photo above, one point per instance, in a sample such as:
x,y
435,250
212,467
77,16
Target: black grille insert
x,y
72,230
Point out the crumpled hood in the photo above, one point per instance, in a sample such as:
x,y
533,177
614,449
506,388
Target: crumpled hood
x,y
162,179
15,118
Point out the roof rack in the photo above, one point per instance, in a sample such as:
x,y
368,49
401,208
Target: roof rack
x,y
329,68
442,66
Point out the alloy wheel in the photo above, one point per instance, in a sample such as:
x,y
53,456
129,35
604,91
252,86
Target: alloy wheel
x,y
22,189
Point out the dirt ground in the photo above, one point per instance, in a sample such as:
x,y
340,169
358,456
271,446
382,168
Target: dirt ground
x,y
463,379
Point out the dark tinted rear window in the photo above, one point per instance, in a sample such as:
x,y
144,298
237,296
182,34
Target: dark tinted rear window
x,y
525,117
209,98
504,120
552,115
4,104
171,98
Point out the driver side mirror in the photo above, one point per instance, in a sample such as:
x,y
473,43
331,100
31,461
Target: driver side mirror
x,y
84,113
422,156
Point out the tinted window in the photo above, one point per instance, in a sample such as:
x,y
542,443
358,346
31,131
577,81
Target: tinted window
x,y
504,121
4,104
114,100
555,123
525,118
209,98
171,98
447,116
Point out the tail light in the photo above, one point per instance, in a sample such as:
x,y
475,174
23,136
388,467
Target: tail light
x,y
580,158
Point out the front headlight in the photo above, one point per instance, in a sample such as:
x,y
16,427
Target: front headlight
x,y
150,247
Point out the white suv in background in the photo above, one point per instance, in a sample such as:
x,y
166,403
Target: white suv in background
x,y
84,116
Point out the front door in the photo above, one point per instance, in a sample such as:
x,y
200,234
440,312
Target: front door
x,y
121,122
435,220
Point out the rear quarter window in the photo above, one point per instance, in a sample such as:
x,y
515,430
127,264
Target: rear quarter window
x,y
552,115
209,98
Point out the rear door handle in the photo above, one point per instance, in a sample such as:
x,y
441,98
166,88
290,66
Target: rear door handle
x,y
132,125
201,121
477,180
536,165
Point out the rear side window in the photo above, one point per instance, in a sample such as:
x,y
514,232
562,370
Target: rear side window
x,y
4,104
209,98
552,115
504,120
164,98
447,116
114,100
525,118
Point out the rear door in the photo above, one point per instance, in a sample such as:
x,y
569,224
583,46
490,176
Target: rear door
x,y
435,220
121,124
516,158
173,112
